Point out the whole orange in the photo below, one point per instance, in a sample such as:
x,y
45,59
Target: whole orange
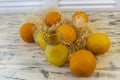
x,y
68,32
26,32
52,18
98,43
82,63
80,15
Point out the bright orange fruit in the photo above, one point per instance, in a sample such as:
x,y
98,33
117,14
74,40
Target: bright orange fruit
x,y
82,63
98,43
52,18
68,32
80,15
26,32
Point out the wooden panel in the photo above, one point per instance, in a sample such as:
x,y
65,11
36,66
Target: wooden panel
x,y
25,61
71,2
16,6
89,5
21,3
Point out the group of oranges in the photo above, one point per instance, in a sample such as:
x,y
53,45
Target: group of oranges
x,y
82,62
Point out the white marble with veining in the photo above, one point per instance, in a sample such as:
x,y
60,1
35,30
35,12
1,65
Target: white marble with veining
x,y
23,61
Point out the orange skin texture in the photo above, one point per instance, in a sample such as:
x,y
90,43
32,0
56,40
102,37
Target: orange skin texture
x,y
98,43
80,14
52,18
67,31
26,32
82,63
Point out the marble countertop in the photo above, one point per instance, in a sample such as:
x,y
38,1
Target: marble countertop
x,y
23,61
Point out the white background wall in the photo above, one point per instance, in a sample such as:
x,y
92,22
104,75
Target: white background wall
x,y
17,6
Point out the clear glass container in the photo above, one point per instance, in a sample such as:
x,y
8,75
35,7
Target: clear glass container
x,y
57,49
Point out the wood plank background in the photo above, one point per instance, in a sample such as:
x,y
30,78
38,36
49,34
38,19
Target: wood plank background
x,y
23,61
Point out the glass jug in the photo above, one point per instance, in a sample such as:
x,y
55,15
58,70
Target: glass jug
x,y
57,49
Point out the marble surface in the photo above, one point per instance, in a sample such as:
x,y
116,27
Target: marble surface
x,y
23,61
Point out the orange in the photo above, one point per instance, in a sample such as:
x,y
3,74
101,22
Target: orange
x,y
26,32
52,18
80,15
98,43
68,32
82,63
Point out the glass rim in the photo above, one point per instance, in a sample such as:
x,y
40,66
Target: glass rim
x,y
52,38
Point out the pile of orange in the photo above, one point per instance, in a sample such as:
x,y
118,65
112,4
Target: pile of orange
x,y
82,62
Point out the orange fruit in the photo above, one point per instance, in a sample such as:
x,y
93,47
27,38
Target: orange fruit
x,y
98,43
68,32
80,15
82,63
26,32
52,18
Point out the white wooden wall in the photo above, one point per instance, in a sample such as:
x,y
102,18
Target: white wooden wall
x,y
89,5
17,6
13,6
